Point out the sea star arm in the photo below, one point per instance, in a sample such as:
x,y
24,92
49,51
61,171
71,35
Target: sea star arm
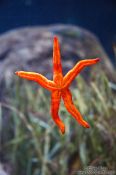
x,y
40,79
67,97
55,102
70,76
57,67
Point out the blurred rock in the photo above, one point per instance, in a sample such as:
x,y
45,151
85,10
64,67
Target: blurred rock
x,y
30,49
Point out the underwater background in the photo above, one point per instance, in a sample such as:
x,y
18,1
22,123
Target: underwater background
x,y
30,142
97,16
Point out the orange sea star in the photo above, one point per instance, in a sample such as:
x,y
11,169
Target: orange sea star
x,y
59,87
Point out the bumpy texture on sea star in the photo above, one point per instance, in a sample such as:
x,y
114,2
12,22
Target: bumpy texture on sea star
x,y
59,87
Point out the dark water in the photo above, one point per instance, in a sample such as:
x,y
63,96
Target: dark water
x,y
99,16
